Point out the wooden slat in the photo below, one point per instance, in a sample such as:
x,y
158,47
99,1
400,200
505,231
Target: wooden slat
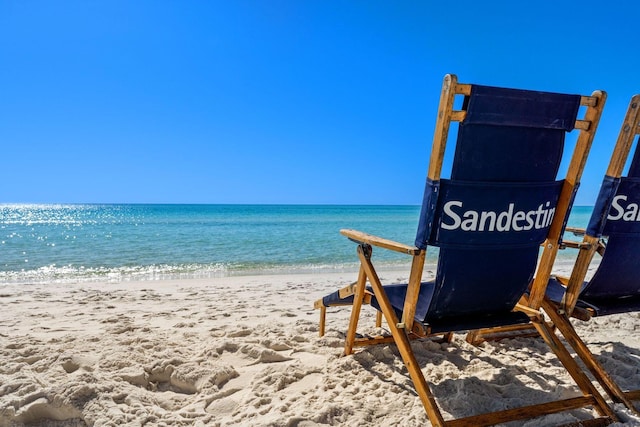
x,y
372,240
632,395
585,139
388,339
625,139
589,101
355,310
363,342
571,244
443,121
348,290
413,290
574,286
577,231
503,332
582,125
458,116
522,413
531,312
462,89
323,317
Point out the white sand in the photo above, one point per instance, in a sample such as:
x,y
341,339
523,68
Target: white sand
x,y
246,351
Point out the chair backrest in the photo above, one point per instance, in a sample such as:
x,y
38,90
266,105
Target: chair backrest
x,y
617,215
501,200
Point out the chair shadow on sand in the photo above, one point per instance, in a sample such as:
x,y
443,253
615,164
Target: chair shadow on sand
x,y
620,361
501,384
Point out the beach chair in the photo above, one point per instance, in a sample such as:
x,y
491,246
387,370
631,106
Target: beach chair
x,y
615,285
501,202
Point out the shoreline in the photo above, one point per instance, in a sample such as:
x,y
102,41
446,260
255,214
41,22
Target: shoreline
x,y
244,350
563,265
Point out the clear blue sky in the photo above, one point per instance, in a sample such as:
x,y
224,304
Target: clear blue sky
x,y
291,101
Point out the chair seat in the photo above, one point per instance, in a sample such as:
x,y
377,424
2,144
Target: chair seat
x,y
335,299
599,306
555,290
396,294
606,306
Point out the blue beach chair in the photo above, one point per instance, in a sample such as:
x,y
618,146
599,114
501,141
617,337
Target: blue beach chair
x,y
501,203
615,285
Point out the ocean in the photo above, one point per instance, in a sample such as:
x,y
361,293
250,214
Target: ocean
x,y
123,242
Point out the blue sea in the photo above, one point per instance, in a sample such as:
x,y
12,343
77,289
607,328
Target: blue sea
x,y
122,242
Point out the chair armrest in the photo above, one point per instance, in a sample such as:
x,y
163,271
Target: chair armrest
x,y
576,231
602,244
360,237
570,244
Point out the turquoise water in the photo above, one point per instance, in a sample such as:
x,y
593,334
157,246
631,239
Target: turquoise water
x,y
75,243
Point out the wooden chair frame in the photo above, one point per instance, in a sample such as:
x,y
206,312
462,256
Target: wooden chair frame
x,y
402,329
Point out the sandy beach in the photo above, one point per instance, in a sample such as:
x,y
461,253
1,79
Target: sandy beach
x,y
245,351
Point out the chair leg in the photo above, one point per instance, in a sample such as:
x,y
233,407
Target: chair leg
x,y
378,319
402,341
323,317
355,312
633,395
479,336
474,337
448,337
566,329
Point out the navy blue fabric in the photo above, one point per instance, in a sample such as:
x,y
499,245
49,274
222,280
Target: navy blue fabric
x,y
429,201
624,214
600,306
496,154
555,290
568,212
515,107
598,218
619,271
503,214
607,306
334,299
618,274
507,154
397,292
477,320
634,169
615,286
471,281
511,149
455,322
